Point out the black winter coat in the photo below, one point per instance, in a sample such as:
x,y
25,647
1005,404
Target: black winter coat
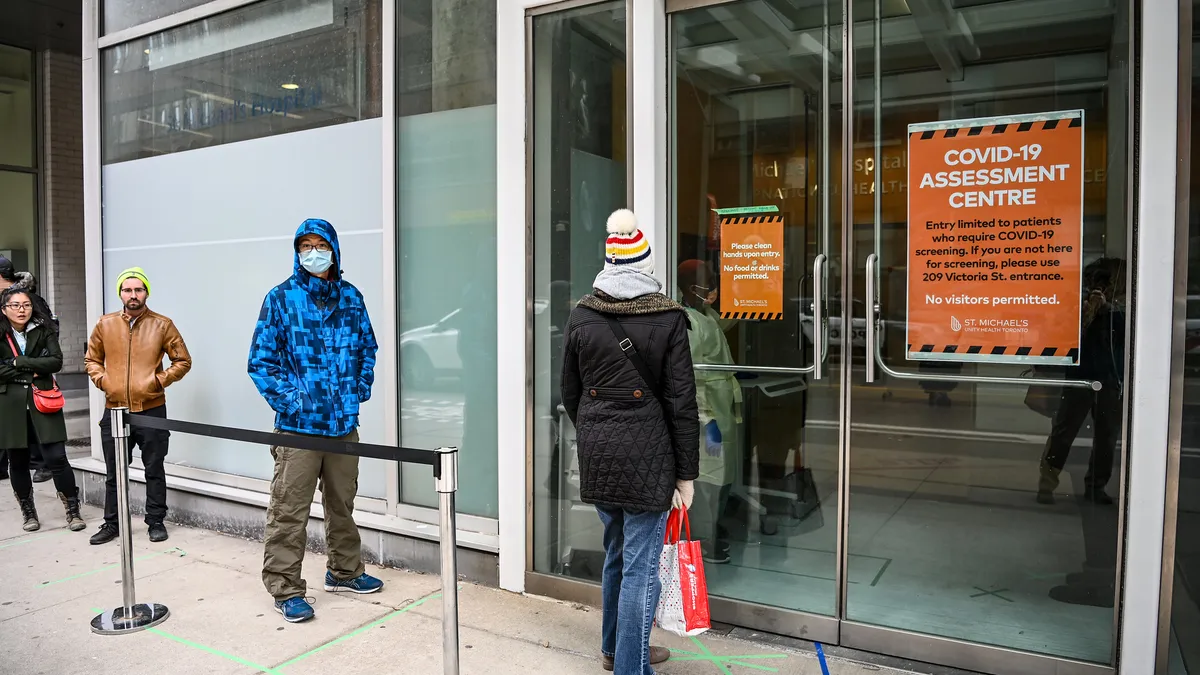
x,y
42,359
627,457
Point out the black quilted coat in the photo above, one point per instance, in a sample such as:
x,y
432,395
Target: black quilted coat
x,y
627,457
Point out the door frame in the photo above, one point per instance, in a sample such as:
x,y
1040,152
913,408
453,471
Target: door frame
x,y
648,47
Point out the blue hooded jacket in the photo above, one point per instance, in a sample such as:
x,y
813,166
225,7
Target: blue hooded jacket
x,y
313,353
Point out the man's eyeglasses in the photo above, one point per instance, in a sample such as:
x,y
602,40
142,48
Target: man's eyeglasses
x,y
16,307
323,248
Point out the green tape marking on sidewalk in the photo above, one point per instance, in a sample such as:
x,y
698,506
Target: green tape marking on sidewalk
x,y
208,650
358,632
214,652
106,568
722,663
31,539
747,209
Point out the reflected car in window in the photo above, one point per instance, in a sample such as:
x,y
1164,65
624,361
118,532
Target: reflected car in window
x,y
858,324
430,353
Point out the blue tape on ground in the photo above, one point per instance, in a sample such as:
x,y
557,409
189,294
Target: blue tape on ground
x,y
821,656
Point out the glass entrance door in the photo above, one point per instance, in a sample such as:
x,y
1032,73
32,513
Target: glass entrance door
x,y
910,358
757,239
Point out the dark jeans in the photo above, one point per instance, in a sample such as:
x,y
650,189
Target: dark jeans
x,y
153,444
633,543
1073,409
55,459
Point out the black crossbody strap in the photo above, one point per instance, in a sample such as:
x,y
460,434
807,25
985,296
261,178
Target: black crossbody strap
x,y
640,364
632,354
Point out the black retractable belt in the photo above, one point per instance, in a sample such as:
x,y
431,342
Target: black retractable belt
x,y
298,441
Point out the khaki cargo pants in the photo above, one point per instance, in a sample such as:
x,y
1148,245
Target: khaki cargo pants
x,y
292,490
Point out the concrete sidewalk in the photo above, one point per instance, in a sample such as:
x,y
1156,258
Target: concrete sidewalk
x,y
222,621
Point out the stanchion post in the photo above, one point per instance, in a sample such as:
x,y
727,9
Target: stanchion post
x,y
130,617
447,484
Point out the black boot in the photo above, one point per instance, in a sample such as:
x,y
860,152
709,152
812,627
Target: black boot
x,y
71,506
29,514
41,475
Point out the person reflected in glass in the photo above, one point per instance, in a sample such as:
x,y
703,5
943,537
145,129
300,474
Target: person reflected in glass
x,y
629,389
719,399
1101,359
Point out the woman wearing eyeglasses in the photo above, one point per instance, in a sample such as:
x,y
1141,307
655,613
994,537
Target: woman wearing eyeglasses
x,y
29,357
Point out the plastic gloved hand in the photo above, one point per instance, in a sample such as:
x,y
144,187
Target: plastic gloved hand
x,y
684,493
712,439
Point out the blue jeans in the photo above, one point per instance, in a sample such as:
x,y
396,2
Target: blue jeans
x,y
633,542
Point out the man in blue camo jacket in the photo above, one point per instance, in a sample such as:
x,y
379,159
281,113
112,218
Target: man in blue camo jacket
x,y
313,360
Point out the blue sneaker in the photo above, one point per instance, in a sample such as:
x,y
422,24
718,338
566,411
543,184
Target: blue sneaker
x,y
362,584
295,610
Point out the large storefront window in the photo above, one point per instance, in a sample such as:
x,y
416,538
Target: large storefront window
x,y
220,138
271,68
18,166
579,128
446,262
944,502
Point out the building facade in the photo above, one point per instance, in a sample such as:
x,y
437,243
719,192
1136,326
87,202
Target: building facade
x,y
1020,511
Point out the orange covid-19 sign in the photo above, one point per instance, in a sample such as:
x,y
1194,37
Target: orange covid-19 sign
x,y
995,239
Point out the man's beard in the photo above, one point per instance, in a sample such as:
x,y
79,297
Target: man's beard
x,y
134,305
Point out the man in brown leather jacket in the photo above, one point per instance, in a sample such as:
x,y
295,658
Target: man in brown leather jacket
x,y
124,360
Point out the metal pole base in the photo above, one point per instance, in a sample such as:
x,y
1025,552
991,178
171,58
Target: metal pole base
x,y
114,621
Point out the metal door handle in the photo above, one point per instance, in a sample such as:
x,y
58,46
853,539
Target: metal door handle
x,y
819,324
872,315
875,355
820,266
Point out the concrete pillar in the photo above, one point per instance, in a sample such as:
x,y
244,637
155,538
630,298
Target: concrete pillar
x,y
63,283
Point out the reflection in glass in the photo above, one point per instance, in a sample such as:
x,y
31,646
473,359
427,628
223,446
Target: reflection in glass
x,y
18,236
16,107
579,131
269,68
992,504
446,178
752,123
121,14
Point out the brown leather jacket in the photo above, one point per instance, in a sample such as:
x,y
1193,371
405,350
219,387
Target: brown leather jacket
x,y
126,362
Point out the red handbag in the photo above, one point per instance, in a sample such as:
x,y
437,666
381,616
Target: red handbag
x,y
47,402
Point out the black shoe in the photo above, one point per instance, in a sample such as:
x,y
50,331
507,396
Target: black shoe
x,y
715,557
1045,497
105,534
1097,496
41,476
1091,596
158,532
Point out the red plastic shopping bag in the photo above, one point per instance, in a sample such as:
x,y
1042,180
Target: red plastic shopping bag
x,y
683,604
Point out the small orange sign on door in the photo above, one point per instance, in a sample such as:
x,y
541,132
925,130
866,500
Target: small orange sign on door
x,y
751,263
995,239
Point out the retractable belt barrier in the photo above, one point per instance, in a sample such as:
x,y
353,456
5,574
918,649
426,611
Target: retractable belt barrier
x,y
132,616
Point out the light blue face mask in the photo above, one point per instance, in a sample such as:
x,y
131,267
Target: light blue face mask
x,y
316,262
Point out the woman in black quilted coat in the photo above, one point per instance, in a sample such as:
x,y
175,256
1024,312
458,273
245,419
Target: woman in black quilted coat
x,y
628,386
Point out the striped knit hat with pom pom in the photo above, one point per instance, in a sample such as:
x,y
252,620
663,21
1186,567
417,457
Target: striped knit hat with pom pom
x,y
626,246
